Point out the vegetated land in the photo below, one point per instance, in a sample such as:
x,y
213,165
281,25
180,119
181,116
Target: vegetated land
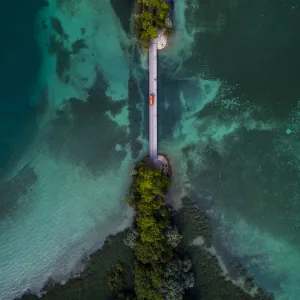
x,y
159,271
166,264
152,260
153,16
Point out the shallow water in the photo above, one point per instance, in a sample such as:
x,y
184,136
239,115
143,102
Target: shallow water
x,y
229,121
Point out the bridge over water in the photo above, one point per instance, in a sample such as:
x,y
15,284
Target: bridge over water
x,y
153,105
155,44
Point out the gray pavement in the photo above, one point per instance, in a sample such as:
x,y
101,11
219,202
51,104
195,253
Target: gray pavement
x,y
153,108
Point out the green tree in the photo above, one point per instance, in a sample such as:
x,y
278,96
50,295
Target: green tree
x,y
152,32
151,19
115,281
152,233
148,252
146,20
173,237
132,237
178,277
148,281
144,222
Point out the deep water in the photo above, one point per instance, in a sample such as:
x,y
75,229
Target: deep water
x,y
74,120
20,63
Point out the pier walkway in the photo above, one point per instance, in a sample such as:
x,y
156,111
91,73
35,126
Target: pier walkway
x,y
153,107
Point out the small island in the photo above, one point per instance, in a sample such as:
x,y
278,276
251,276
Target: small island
x,y
153,21
165,255
160,271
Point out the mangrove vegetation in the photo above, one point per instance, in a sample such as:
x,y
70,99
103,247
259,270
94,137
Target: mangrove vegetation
x,y
159,271
153,17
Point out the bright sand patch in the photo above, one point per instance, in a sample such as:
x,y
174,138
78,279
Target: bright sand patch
x,y
162,41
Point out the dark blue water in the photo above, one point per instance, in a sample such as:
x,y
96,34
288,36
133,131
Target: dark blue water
x,y
20,61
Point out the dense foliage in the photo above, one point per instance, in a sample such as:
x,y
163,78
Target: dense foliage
x,y
153,17
115,280
154,239
116,283
152,251
178,278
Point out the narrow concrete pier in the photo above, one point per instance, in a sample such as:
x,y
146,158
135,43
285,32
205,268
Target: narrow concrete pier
x,y
153,107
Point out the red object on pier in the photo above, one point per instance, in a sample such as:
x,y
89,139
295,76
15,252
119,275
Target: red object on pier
x,y
151,99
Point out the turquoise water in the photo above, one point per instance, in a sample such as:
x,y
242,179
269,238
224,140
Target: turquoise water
x,y
74,120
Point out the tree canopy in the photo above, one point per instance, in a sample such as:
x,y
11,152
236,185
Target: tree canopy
x,y
153,17
153,240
